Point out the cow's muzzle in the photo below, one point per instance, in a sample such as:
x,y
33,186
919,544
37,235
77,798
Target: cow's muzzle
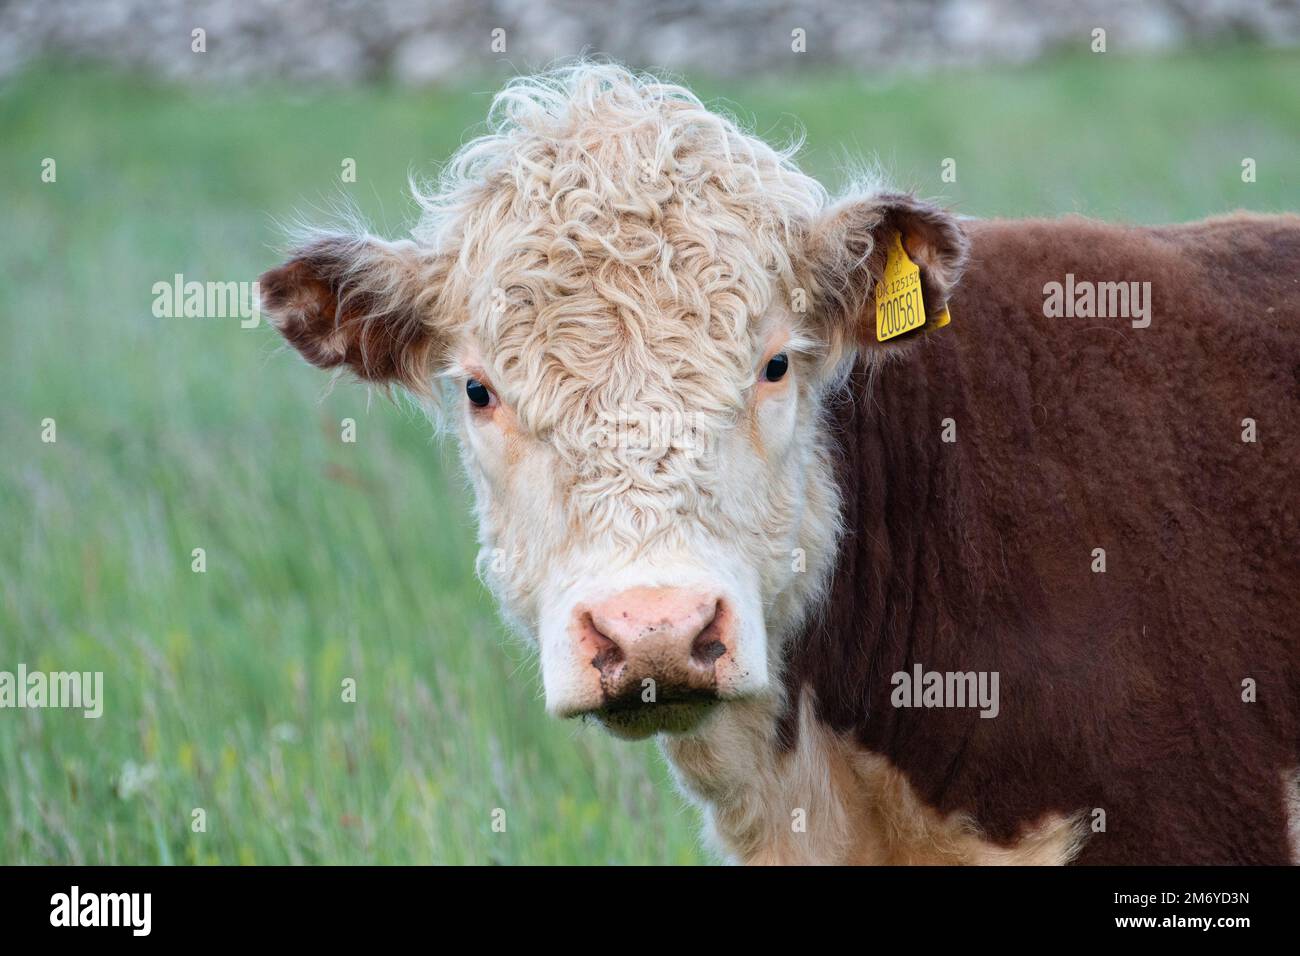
x,y
655,652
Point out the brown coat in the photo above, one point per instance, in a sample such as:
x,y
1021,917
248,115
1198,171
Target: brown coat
x,y
1120,691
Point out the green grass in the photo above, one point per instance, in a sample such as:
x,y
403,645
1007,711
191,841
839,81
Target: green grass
x,y
328,560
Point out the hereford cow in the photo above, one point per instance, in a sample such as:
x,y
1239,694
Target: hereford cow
x,y
1021,589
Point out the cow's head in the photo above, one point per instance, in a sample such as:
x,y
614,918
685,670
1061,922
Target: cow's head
x,y
632,311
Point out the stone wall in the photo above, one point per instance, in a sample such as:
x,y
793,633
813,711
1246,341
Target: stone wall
x,y
422,41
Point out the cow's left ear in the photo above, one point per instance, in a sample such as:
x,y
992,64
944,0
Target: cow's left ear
x,y
848,251
364,304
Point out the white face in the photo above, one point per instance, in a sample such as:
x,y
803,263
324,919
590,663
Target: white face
x,y
649,530
635,307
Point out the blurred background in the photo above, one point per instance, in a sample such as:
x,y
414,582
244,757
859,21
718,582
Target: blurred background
x,y
130,155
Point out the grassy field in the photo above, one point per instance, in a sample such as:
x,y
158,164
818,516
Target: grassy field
x,y
328,560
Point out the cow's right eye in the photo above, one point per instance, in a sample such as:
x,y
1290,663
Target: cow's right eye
x,y
478,393
777,366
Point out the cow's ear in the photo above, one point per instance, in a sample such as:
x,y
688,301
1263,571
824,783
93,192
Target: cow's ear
x,y
360,303
848,251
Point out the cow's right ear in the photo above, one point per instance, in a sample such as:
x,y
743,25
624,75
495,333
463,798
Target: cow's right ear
x,y
360,303
847,255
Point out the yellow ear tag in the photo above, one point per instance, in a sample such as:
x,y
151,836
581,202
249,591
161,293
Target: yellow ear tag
x,y
899,306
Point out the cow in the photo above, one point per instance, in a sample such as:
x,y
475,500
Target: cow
x,y
905,544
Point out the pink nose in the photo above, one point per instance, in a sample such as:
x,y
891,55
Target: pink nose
x,y
656,644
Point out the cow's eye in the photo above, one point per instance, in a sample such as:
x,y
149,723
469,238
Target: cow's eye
x,y
478,393
777,366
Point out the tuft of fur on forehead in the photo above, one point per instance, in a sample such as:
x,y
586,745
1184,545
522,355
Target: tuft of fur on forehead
x,y
609,236
614,241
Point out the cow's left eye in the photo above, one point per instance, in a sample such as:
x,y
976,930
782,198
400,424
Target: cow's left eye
x,y
777,366
478,393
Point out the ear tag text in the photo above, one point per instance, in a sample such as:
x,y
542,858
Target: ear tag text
x,y
899,306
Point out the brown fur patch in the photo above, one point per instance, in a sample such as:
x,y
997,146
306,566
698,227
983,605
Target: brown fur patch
x,y
1121,691
345,302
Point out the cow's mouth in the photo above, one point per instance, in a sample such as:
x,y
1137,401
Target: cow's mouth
x,y
679,714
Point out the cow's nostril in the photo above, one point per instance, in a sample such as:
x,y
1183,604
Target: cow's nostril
x,y
708,646
708,651
608,655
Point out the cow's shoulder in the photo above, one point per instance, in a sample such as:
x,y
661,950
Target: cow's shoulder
x,y
827,800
